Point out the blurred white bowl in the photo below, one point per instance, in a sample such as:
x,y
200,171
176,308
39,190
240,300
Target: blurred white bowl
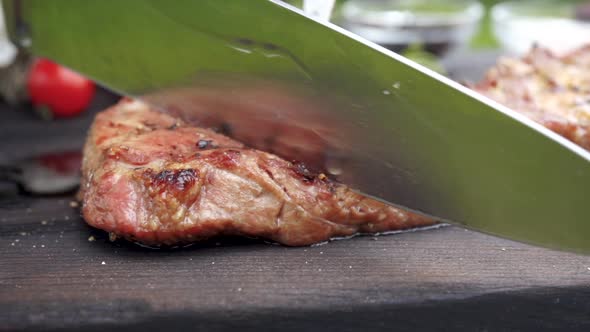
x,y
438,25
518,25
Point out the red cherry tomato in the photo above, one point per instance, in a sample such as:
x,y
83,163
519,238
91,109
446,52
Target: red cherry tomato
x,y
64,92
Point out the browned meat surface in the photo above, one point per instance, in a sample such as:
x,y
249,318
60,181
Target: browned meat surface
x,y
551,90
152,178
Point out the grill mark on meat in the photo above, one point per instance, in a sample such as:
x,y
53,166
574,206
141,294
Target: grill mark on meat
x,y
172,192
303,172
178,179
308,177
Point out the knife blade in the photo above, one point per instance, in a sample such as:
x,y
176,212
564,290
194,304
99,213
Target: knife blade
x,y
269,75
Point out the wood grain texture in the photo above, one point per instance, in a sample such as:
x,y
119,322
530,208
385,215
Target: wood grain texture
x,y
53,278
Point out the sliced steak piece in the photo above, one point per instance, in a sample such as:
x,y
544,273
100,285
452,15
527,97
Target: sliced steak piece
x,y
551,90
151,178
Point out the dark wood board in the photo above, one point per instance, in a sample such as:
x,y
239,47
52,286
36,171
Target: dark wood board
x,y
53,278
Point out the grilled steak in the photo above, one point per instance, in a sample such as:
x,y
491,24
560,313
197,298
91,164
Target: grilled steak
x,y
152,178
551,90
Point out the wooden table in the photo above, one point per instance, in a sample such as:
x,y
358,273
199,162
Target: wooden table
x,y
57,273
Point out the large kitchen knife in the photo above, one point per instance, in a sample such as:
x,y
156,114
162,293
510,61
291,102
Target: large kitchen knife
x,y
310,90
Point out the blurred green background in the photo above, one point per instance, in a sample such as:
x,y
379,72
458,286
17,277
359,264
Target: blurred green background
x,y
484,38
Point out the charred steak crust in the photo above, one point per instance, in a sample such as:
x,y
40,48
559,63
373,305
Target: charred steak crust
x,y
151,178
